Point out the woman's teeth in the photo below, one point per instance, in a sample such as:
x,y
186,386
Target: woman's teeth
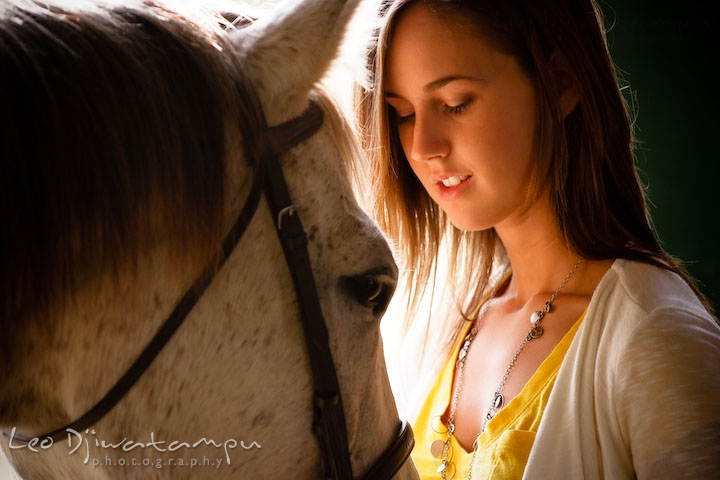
x,y
454,181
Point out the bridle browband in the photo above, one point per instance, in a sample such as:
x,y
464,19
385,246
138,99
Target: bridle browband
x,y
329,419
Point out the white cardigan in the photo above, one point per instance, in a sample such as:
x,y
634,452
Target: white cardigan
x,y
638,394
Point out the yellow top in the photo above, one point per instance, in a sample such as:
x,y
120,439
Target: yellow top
x,y
504,446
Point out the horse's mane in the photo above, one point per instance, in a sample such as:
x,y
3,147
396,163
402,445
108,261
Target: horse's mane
x,y
113,123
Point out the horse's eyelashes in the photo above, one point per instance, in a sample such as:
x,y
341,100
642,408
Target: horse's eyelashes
x,y
374,288
370,291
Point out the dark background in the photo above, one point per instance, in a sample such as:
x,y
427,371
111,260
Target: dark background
x,y
668,55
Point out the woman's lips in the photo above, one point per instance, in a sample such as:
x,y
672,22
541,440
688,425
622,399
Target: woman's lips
x,y
455,190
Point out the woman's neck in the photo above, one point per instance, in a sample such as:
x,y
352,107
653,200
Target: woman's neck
x,y
540,259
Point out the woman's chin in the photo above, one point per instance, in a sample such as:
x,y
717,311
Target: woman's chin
x,y
468,224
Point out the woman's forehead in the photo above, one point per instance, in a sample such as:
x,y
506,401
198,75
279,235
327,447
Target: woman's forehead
x,y
426,47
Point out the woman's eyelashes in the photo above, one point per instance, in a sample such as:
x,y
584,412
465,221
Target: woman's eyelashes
x,y
448,109
396,117
457,108
400,119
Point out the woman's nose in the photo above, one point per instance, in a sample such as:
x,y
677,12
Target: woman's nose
x,y
429,139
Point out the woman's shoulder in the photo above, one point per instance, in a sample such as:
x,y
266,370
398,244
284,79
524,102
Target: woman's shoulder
x,y
647,288
636,300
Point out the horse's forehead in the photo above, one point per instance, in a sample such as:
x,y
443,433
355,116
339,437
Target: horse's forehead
x,y
317,174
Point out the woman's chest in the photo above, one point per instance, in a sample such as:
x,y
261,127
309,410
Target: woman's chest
x,y
498,361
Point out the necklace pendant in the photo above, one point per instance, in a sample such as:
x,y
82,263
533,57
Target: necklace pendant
x,y
536,317
436,448
462,354
442,466
488,416
499,401
536,332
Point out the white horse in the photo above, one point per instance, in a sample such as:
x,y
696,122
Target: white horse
x,y
125,134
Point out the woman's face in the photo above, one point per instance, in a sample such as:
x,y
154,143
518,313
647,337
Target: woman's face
x,y
466,117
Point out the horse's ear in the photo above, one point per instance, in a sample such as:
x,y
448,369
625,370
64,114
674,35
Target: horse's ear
x,y
290,49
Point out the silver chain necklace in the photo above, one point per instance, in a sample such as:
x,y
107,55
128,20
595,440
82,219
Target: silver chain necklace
x,y
441,449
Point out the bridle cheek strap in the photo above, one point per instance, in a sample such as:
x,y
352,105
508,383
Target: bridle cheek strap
x,y
329,419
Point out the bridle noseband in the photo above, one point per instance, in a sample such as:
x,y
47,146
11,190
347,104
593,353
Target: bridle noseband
x,y
329,418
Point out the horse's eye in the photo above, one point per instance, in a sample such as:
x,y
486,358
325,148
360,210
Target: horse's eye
x,y
371,292
374,289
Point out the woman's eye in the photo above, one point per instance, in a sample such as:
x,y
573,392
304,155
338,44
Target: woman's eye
x,y
396,117
457,108
400,119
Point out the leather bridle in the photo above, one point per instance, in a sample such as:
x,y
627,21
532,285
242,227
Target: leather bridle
x,y
329,419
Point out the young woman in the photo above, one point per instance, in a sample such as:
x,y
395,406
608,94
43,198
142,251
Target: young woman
x,y
581,349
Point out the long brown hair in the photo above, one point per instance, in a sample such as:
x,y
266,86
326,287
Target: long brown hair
x,y
113,126
585,160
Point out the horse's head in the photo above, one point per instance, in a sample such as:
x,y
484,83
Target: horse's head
x,y
130,135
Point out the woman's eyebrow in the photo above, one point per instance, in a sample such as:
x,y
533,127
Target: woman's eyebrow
x,y
435,84
441,82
